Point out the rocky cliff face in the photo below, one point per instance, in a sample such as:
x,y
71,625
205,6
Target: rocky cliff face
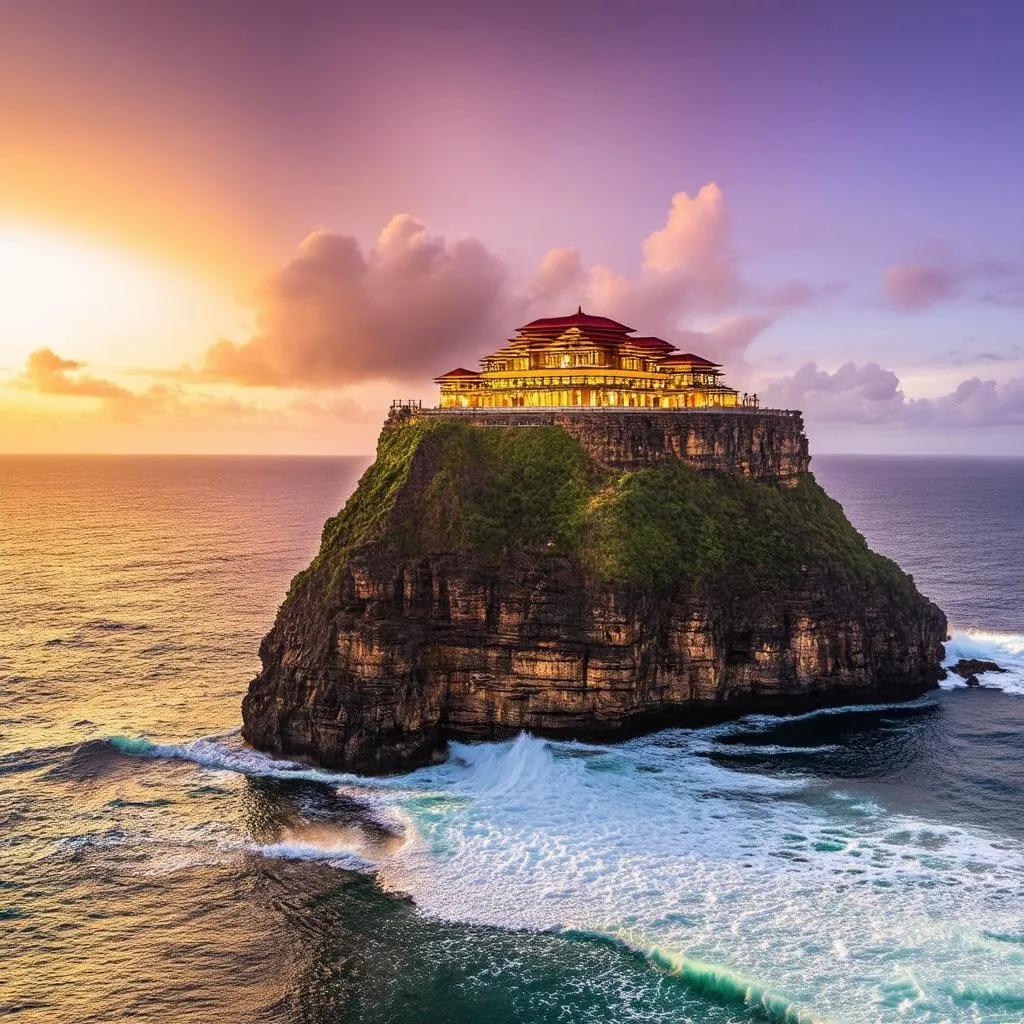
x,y
766,444
487,580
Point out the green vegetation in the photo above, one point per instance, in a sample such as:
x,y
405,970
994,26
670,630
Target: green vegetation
x,y
657,526
496,491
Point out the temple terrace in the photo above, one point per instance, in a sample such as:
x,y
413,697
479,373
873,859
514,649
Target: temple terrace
x,y
584,360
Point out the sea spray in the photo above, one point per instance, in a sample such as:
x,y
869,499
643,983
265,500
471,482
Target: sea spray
x,y
751,874
1004,649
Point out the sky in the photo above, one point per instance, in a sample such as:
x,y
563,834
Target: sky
x,y
246,227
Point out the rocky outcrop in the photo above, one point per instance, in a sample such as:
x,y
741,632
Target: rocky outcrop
x,y
765,444
968,667
420,620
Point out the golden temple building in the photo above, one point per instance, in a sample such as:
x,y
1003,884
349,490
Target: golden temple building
x,y
584,360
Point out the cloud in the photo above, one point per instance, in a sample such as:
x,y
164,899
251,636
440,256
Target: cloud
x,y
795,294
869,394
49,374
958,357
334,315
561,271
414,304
694,237
913,288
686,269
728,340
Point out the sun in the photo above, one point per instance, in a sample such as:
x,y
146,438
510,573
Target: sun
x,y
96,301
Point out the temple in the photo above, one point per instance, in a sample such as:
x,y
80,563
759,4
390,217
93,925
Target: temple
x,y
584,360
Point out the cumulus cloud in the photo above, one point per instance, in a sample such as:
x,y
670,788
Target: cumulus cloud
x,y
334,315
561,271
49,374
728,340
415,304
694,237
869,394
687,269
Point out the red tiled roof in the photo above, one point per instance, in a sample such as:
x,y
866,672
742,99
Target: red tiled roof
x,y
577,319
459,371
689,357
652,342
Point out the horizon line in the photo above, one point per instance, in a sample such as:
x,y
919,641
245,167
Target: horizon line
x,y
371,454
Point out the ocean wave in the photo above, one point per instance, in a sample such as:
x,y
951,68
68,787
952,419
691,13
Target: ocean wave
x,y
114,626
337,856
714,981
722,876
1005,649
917,704
217,753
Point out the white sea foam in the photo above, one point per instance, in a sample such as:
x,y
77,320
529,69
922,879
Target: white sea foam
x,y
1005,649
732,881
337,856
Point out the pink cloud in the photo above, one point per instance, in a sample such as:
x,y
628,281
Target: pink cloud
x,y
695,235
728,341
686,269
913,288
50,374
870,394
334,315
415,304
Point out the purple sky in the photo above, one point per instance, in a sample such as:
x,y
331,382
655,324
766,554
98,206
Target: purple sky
x,y
869,156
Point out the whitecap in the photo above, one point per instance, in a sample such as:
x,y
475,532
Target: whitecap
x,y
714,873
1005,649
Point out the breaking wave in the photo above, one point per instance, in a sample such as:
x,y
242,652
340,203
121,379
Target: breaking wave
x,y
1005,649
711,980
714,876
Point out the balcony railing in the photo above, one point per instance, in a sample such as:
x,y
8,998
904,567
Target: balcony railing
x,y
583,410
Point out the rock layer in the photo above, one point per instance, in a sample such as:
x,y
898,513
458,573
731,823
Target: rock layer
x,y
765,444
398,638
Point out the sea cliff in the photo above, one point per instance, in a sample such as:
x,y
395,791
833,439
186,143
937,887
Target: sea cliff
x,y
586,582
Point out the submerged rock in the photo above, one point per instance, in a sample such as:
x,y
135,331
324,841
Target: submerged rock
x,y
484,580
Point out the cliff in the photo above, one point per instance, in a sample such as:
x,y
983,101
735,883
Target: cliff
x,y
487,579
767,444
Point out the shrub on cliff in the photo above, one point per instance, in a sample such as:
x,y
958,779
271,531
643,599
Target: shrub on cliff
x,y
443,487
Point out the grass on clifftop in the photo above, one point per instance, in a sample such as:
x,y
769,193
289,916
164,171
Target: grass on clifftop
x,y
443,486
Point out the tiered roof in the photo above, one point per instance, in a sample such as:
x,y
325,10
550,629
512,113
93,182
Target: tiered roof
x,y
577,319
599,330
459,371
689,359
658,344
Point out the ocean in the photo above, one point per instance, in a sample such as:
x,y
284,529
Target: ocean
x,y
851,865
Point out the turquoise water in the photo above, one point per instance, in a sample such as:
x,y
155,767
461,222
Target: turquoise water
x,y
850,865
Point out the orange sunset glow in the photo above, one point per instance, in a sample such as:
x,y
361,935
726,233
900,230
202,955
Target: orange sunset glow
x,y
511,511
250,241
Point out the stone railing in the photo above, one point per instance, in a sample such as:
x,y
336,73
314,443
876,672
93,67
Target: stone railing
x,y
541,412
